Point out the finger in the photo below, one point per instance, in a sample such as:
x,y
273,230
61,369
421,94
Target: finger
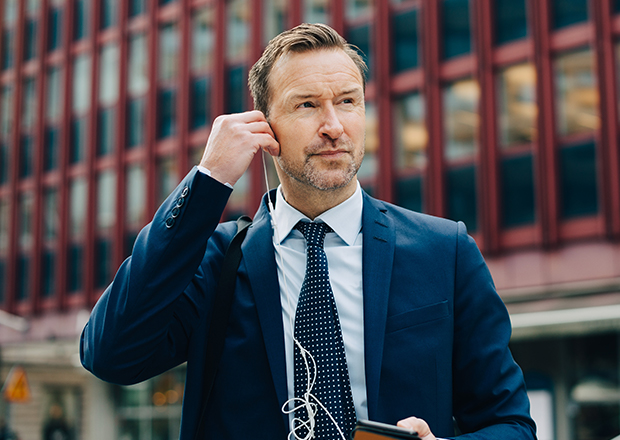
x,y
269,144
260,127
251,116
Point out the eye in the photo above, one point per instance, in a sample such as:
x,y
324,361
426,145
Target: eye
x,y
306,104
347,101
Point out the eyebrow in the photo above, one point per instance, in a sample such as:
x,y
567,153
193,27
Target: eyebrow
x,y
355,90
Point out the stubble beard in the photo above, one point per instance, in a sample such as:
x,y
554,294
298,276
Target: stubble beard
x,y
324,178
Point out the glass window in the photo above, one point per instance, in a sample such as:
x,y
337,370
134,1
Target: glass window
x,y
135,190
108,74
359,36
109,13
106,134
77,207
517,179
6,115
462,197
48,279
30,38
236,89
167,177
25,221
82,67
135,204
3,281
4,163
517,105
168,52
51,218
456,28
238,30
26,156
81,19
54,94
53,114
616,5
136,122
411,141
29,104
577,99
78,139
106,200
578,180
8,43
568,12
203,40
368,170
55,26
31,29
316,11
137,7
405,41
4,225
460,104
138,78
103,262
75,270
23,277
510,20
10,11
166,113
357,8
274,18
200,99
51,148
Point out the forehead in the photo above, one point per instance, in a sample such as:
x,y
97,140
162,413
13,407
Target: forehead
x,y
312,69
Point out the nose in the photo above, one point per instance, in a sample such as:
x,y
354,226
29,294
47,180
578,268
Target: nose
x,y
331,127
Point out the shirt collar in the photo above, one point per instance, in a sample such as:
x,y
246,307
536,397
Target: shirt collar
x,y
345,219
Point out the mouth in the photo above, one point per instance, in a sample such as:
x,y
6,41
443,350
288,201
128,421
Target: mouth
x,y
331,154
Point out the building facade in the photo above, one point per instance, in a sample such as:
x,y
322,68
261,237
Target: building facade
x,y
500,113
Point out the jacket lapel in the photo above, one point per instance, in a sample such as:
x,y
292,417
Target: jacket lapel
x,y
259,258
377,259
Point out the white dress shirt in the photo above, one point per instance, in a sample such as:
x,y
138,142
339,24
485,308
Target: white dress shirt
x,y
344,255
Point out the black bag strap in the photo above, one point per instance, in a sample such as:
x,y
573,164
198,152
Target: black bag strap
x,y
222,305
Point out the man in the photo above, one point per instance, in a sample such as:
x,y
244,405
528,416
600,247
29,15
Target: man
x,y
424,332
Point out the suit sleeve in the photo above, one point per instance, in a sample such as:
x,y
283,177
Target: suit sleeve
x,y
490,399
141,325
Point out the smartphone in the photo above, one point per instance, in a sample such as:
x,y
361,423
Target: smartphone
x,y
369,430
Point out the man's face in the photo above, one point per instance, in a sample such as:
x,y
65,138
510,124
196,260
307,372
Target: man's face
x,y
317,114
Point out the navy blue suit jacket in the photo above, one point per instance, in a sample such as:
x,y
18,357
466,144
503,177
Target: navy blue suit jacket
x,y
436,332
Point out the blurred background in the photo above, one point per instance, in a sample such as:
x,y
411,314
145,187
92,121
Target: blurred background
x,y
500,113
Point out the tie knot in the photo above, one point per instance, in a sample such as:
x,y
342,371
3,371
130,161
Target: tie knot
x,y
314,233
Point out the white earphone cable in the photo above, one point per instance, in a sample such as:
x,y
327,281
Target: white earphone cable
x,y
309,400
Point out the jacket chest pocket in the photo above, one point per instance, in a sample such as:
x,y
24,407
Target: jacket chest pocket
x,y
417,316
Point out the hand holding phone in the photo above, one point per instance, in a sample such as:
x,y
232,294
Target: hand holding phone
x,y
369,430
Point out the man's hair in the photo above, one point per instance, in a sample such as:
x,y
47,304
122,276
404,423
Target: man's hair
x,y
302,38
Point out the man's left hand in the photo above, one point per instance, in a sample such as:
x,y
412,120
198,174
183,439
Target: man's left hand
x,y
419,426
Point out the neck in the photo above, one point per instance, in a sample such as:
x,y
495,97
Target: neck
x,y
313,202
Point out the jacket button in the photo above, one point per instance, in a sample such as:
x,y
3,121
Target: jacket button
x,y
175,212
169,222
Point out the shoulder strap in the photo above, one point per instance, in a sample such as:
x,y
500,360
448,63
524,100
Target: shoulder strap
x,y
222,305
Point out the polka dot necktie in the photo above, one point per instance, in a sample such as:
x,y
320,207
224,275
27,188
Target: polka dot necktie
x,y
317,328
